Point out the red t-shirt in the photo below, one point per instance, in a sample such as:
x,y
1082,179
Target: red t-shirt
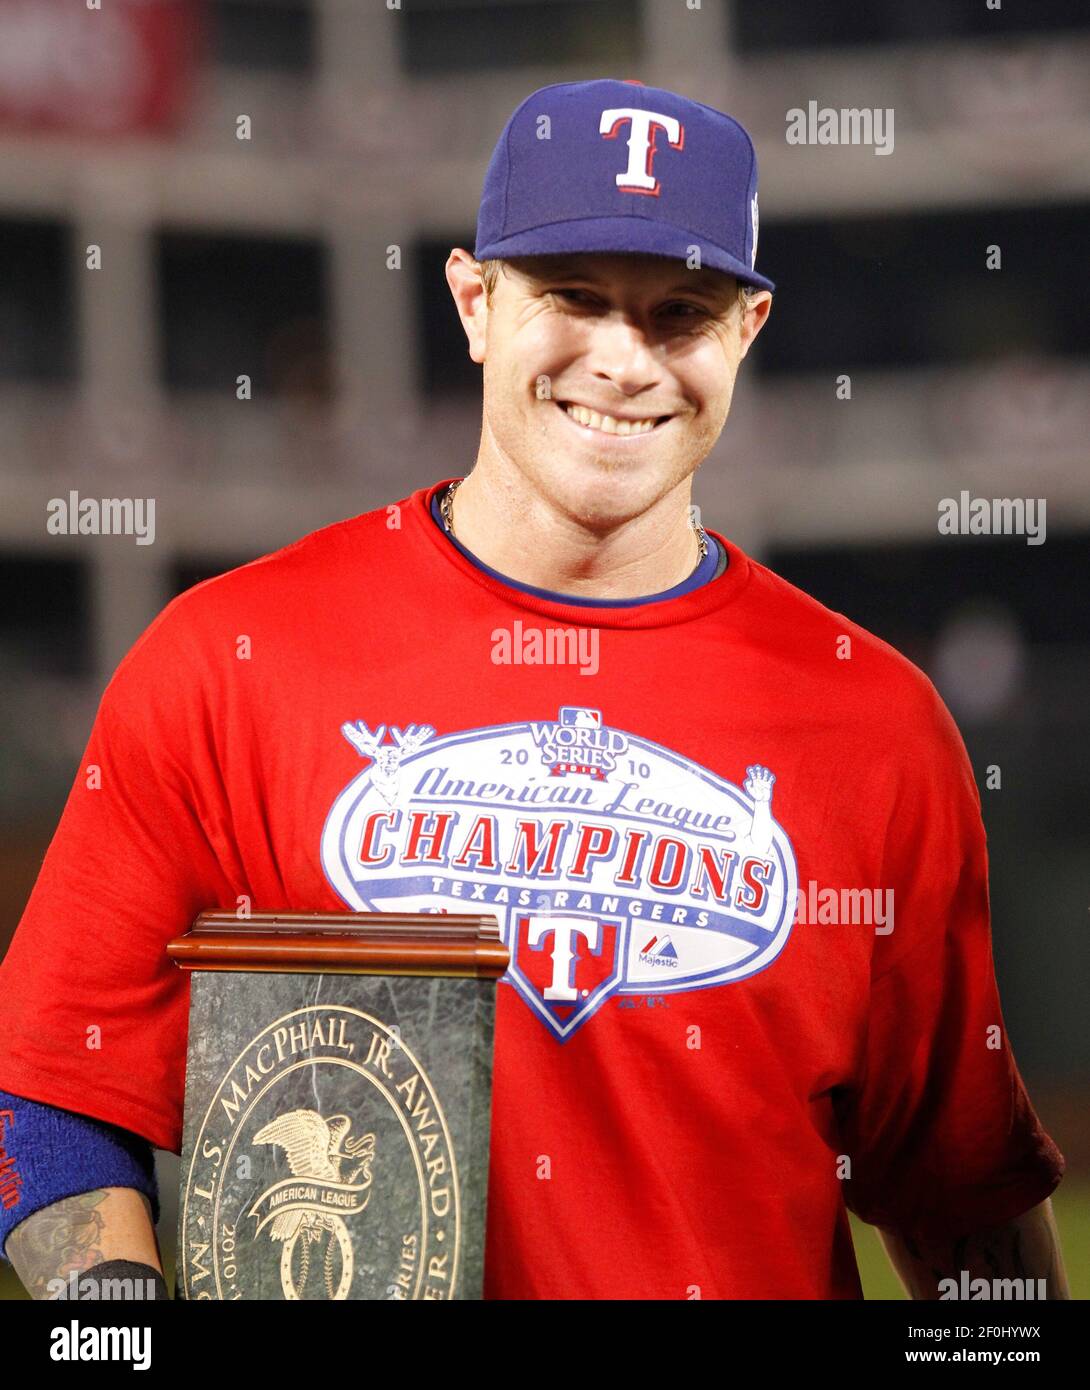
x,y
664,804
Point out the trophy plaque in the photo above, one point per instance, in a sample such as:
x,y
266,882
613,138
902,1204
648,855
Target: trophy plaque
x,y
337,1105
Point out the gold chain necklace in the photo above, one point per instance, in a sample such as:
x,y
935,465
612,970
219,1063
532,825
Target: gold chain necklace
x,y
446,513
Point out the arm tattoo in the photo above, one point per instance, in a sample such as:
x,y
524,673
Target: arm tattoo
x,y
60,1238
1025,1248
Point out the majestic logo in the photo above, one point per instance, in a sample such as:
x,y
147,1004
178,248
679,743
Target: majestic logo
x,y
644,125
660,951
248,1230
613,865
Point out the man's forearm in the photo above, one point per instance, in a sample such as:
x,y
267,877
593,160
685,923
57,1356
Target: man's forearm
x,y
1026,1248
74,1235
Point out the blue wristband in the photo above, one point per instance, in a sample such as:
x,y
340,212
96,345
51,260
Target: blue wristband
x,y
47,1154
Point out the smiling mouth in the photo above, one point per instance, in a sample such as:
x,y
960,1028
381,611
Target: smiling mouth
x,y
609,424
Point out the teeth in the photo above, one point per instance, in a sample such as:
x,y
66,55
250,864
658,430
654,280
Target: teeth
x,y
606,423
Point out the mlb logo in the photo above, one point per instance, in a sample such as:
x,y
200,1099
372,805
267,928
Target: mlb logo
x,y
578,718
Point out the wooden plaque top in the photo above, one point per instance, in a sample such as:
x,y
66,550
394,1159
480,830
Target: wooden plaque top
x,y
359,943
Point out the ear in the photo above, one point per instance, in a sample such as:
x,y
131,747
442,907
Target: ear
x,y
755,317
464,278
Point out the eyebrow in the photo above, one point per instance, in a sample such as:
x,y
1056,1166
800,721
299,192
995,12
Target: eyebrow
x,y
558,270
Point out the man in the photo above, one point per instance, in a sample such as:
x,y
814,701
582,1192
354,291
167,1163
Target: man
x,y
638,747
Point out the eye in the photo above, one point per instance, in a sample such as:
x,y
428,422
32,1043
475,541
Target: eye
x,y
680,310
575,296
691,310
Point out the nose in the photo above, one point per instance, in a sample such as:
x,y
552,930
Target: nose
x,y
620,352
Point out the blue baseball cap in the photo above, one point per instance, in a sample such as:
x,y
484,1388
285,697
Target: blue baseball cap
x,y
610,165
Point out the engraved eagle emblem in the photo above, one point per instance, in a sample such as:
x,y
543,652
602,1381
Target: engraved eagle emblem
x,y
317,1151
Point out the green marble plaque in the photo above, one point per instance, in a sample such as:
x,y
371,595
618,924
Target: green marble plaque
x,y
336,1136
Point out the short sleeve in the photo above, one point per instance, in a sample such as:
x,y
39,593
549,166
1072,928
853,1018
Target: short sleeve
x,y
942,1137
93,1013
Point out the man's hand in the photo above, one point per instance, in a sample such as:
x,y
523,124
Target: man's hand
x,y
74,1235
1026,1248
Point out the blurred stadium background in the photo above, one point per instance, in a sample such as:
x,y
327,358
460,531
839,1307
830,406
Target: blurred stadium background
x,y
370,129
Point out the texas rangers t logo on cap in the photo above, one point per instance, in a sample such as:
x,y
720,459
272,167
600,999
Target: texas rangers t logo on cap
x,y
637,178
562,193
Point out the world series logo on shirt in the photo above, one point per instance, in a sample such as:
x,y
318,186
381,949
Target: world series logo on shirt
x,y
615,866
